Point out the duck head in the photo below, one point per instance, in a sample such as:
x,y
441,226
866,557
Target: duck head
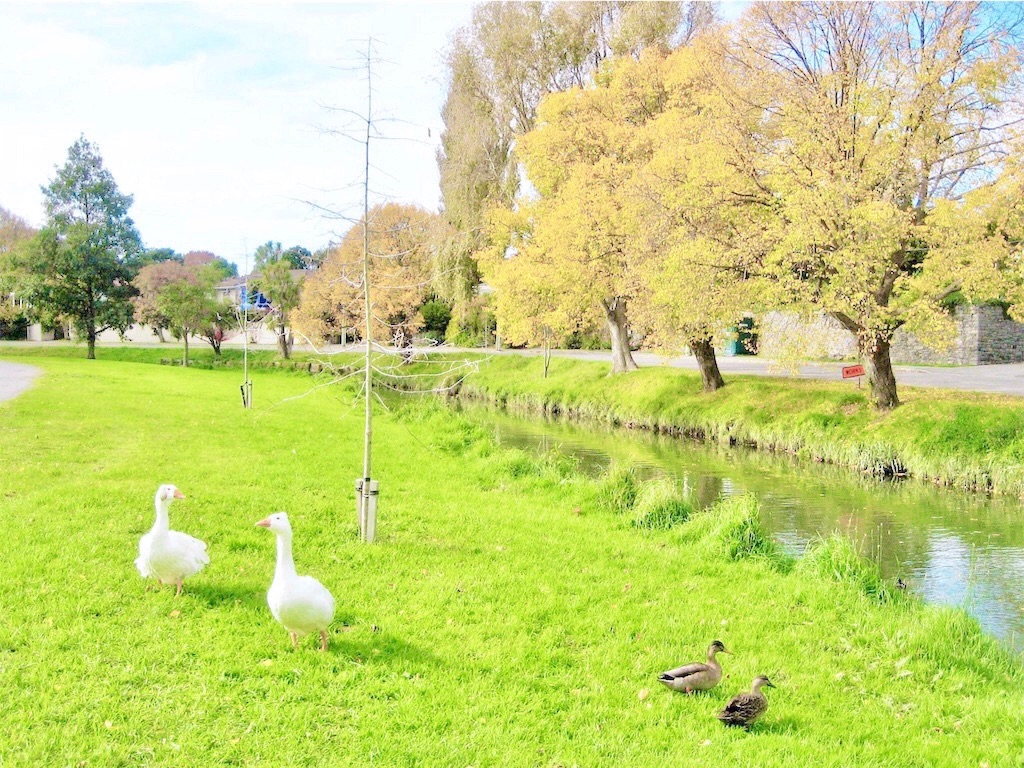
x,y
717,647
277,522
168,492
761,682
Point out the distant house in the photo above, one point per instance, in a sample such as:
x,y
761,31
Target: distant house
x,y
233,288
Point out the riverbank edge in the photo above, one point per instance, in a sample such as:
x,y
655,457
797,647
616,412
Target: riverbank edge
x,y
933,436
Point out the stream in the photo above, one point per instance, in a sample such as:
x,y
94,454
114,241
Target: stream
x,y
950,547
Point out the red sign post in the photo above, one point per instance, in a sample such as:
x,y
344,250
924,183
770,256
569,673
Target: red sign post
x,y
853,371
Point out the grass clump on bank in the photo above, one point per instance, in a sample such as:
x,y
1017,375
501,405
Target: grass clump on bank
x,y
836,558
661,505
505,617
734,529
618,489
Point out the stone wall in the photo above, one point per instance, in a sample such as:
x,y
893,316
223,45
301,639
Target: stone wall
x,y
1000,340
963,350
984,335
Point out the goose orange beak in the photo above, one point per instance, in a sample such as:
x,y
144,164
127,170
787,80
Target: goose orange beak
x,y
178,494
264,523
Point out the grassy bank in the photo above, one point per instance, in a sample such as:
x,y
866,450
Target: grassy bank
x,y
512,613
969,440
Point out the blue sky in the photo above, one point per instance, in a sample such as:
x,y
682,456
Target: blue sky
x,y
213,115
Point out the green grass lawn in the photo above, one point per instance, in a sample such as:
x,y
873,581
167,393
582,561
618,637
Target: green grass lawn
x,y
508,615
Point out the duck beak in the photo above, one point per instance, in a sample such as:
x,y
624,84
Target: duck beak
x,y
264,523
178,494
769,685
725,651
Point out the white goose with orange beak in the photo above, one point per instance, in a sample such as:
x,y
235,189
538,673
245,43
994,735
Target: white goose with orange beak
x,y
169,556
301,603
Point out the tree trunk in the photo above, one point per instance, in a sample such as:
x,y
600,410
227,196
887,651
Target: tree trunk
x,y
91,342
874,351
547,357
618,328
160,334
184,360
282,342
704,351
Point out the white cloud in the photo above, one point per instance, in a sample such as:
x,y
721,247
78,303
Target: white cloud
x,y
210,114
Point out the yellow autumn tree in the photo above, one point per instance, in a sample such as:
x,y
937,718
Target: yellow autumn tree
x,y
332,299
535,300
876,117
580,158
692,211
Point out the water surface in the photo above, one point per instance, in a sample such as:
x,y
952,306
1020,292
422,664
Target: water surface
x,y
951,547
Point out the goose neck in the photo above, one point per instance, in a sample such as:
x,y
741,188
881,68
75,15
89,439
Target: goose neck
x,y
162,524
285,567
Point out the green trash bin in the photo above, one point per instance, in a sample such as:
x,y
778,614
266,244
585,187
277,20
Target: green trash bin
x,y
744,340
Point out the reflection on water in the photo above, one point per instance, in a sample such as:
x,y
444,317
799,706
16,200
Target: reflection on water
x,y
950,547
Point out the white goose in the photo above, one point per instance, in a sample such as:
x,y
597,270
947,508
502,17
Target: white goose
x,y
301,603
170,556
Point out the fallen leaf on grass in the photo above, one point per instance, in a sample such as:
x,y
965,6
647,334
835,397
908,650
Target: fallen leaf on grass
x,y
644,693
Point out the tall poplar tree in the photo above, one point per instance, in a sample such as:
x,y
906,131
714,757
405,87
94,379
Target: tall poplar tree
x,y
500,66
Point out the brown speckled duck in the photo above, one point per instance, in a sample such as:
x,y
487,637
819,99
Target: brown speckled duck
x,y
696,676
745,708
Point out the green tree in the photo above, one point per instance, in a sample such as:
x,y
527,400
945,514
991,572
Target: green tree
x,y
15,311
299,257
267,253
189,304
275,281
150,283
81,259
156,256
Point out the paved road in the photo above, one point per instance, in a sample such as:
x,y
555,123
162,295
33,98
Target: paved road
x,y
15,378
999,379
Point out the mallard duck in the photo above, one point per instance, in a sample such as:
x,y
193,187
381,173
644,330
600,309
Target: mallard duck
x,y
745,708
696,676
170,556
301,603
